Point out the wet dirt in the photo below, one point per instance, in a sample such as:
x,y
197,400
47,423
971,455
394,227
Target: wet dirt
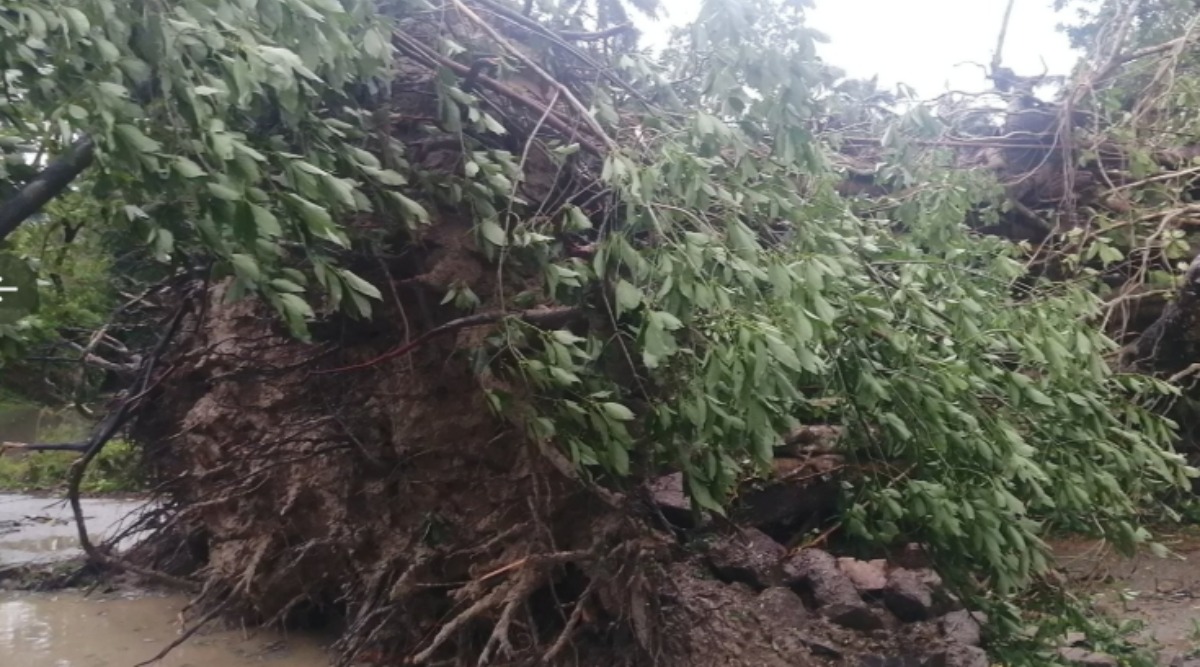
x,y
70,630
1161,593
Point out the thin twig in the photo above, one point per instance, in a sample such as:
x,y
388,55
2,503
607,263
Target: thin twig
x,y
205,620
582,110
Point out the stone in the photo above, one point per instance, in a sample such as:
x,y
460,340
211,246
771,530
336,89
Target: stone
x,y
858,616
749,556
888,661
799,491
817,573
912,556
1184,661
1085,658
960,627
1075,639
670,498
778,604
959,655
821,647
907,596
869,577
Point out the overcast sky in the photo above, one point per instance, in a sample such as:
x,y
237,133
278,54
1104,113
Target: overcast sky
x,y
929,44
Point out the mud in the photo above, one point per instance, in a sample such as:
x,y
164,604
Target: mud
x,y
70,630
1161,593
35,530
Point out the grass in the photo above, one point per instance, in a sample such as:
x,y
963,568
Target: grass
x,y
115,470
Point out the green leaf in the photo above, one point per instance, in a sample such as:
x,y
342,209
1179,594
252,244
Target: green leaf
x,y
1038,397
297,306
134,138
246,267
629,297
617,412
187,168
265,221
386,177
412,208
577,220
361,286
783,354
619,457
494,233
223,192
286,286
701,495
78,20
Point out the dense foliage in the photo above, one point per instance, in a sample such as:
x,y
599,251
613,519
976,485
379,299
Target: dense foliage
x,y
732,291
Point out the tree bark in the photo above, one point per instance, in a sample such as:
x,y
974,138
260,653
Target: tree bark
x,y
47,185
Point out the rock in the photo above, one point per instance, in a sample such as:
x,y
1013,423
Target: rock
x,y
778,604
818,572
837,599
796,493
1075,639
869,577
783,611
749,556
911,556
667,492
959,655
930,578
888,661
821,647
1184,661
907,596
960,627
856,616
1086,658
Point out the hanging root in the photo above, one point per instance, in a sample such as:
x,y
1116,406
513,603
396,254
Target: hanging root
x,y
577,616
532,572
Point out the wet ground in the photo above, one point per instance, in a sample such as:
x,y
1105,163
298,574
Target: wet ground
x,y
1162,593
37,530
69,629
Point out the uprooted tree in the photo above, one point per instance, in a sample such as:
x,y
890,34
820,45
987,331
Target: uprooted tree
x,y
450,282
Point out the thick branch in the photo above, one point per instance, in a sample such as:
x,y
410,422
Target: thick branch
x,y
44,447
46,186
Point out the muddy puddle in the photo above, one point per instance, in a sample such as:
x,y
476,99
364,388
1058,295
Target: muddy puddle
x,y
70,630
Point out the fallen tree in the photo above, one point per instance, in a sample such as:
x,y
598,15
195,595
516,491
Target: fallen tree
x,y
524,269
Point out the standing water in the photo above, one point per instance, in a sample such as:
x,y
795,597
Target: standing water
x,y
69,629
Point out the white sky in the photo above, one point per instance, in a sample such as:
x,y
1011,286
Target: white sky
x,y
929,44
